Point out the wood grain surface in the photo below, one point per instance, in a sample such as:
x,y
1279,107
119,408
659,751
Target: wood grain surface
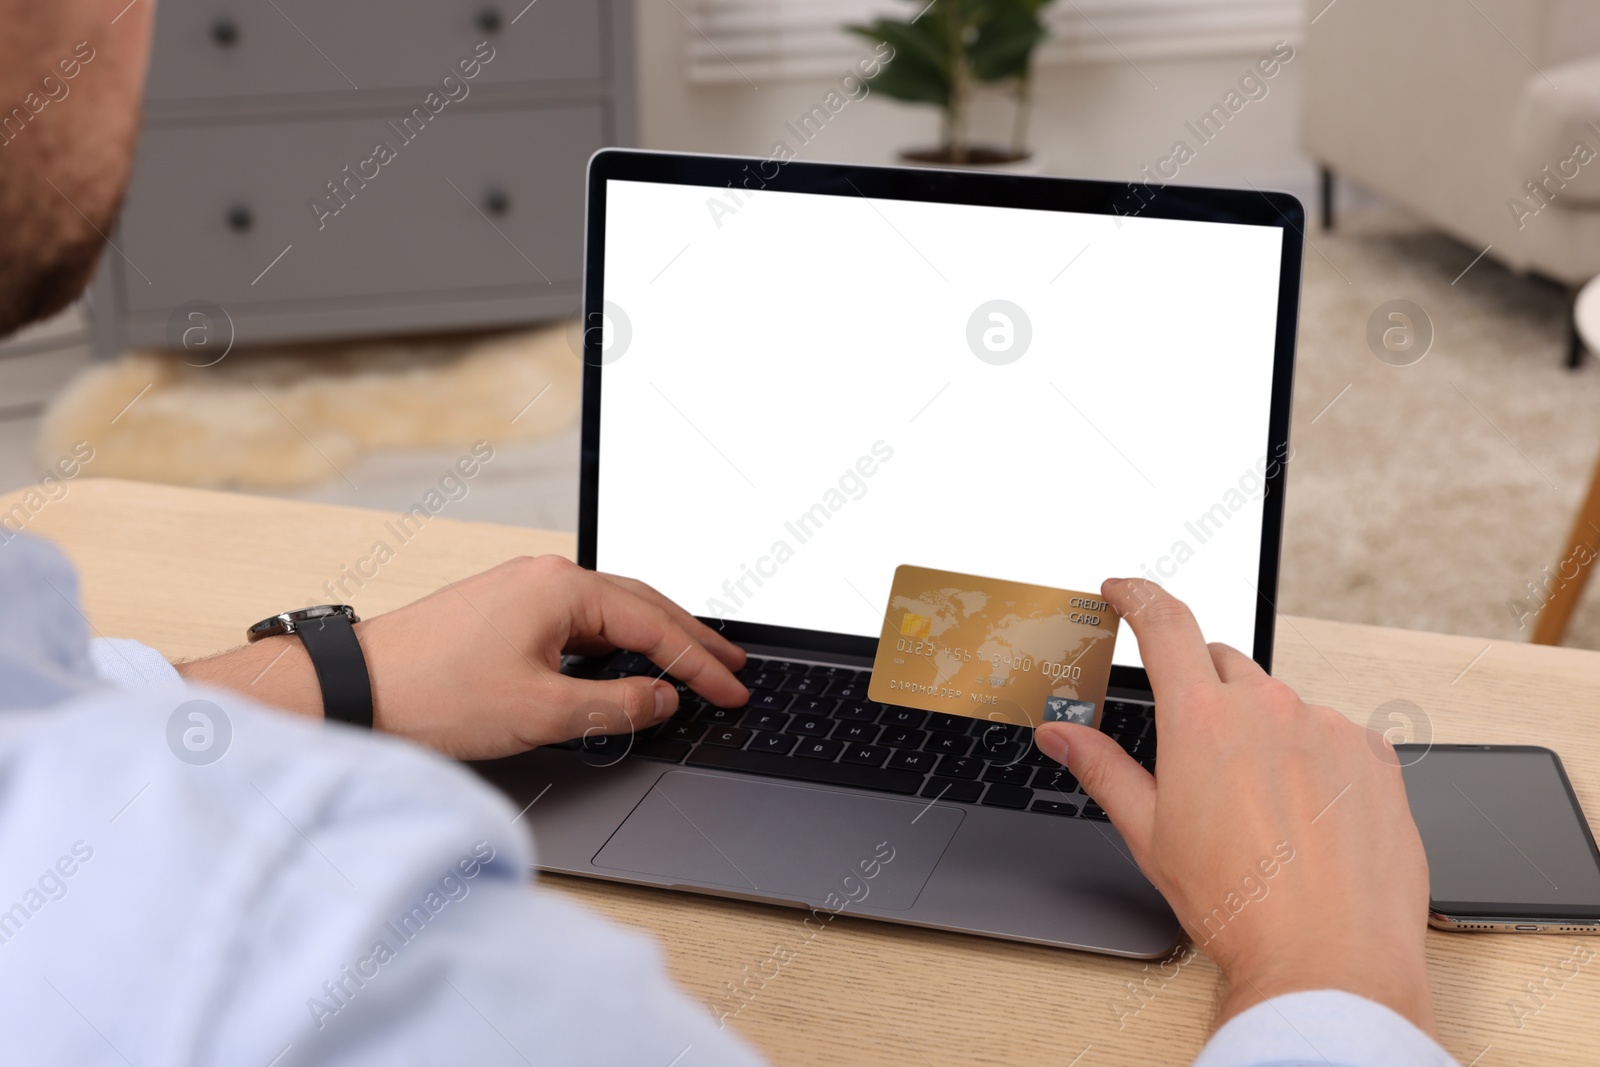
x,y
185,571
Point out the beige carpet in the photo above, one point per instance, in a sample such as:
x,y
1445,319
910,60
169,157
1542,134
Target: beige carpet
x,y
1428,496
294,416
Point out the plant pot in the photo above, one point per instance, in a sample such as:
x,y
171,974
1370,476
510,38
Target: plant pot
x,y
979,157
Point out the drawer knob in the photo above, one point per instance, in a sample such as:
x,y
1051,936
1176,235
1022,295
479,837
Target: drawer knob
x,y
497,202
240,218
489,19
225,31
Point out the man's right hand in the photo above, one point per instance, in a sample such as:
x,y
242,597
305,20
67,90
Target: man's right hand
x,y
1278,832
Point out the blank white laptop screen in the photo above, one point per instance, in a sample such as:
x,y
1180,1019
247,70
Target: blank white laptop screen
x,y
802,392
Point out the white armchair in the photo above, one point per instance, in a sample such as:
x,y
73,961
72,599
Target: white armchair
x,y
1480,116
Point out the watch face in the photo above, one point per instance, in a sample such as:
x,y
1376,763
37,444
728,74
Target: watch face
x,y
277,625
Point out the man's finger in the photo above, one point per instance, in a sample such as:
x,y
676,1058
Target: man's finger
x,y
1109,775
618,706
1233,665
629,621
732,656
1170,644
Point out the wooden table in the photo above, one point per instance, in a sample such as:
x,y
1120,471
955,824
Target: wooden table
x,y
185,571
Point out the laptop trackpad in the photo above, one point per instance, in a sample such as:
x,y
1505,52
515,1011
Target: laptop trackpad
x,y
793,842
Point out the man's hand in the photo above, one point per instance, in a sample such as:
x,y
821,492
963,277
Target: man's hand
x,y
473,670
1279,832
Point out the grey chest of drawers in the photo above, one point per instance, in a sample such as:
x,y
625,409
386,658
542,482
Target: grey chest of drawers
x,y
321,168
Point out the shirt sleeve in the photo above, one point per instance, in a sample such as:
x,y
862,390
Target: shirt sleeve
x,y
129,665
1321,1028
212,882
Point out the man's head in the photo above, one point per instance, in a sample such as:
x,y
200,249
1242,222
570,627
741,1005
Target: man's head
x,y
67,128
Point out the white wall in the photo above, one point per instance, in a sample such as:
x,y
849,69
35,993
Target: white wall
x,y
1092,119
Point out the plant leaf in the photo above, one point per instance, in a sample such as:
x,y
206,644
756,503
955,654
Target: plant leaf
x,y
919,71
1004,44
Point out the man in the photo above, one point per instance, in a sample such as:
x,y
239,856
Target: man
x,y
329,896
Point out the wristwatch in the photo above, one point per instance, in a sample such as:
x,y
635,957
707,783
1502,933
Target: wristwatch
x,y
330,640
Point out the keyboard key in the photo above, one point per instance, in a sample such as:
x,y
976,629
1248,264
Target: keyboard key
x,y
857,711
683,730
960,766
902,737
994,733
1008,753
761,679
632,663
1091,810
1014,775
787,666
1055,779
865,755
1037,758
1122,725
662,748
782,744
849,689
949,789
805,684
583,667
1054,807
834,673
819,748
768,700
908,717
1149,764
813,705
757,719
715,716
849,775
1008,796
944,742
864,732
907,760
730,736
810,725
957,724
991,740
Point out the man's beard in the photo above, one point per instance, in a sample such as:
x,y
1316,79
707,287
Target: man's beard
x,y
49,245
31,289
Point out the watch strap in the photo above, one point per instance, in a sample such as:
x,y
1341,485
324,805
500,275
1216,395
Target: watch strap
x,y
341,668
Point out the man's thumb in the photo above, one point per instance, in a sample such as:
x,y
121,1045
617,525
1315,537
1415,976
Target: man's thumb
x,y
1109,775
618,706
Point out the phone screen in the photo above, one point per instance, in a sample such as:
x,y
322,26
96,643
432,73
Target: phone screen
x,y
1502,830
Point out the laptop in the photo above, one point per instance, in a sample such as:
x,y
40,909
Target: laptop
x,y
799,376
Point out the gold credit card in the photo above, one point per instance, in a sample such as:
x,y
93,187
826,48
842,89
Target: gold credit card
x,y
1005,651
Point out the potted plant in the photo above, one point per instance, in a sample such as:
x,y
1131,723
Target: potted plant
x,y
945,53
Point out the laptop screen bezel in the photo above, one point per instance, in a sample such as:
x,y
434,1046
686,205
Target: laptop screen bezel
x,y
1190,203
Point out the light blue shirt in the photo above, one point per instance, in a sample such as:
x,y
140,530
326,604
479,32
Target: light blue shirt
x,y
189,878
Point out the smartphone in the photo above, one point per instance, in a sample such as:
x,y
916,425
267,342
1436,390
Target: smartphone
x,y
1509,850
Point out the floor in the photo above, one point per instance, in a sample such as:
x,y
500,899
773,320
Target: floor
x,y
1426,496
1429,496
529,484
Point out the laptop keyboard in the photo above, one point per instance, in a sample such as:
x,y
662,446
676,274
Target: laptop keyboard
x,y
813,722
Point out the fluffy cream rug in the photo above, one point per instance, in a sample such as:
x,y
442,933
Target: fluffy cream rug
x,y
1430,496
277,418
